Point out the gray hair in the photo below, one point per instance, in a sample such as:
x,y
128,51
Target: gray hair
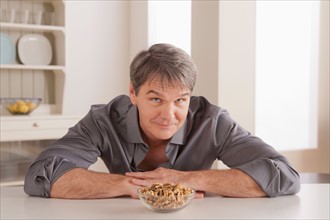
x,y
170,64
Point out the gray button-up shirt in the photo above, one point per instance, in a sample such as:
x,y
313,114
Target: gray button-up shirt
x,y
112,133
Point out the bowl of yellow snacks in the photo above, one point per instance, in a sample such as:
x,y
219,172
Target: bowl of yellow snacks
x,y
20,106
167,197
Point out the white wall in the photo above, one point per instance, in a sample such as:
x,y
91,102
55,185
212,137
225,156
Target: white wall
x,y
138,26
97,48
324,91
204,48
237,60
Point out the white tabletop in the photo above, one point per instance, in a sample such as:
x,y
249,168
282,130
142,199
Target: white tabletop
x,y
312,202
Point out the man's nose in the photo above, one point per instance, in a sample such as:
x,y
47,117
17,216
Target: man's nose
x,y
167,112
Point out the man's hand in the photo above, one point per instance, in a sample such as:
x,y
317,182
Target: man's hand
x,y
160,175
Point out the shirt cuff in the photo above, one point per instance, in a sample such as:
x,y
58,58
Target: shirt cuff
x,y
42,174
273,176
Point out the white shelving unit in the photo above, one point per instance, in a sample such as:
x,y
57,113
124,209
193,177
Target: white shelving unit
x,y
46,82
47,122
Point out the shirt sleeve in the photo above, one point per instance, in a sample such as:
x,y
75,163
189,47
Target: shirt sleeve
x,y
243,151
78,148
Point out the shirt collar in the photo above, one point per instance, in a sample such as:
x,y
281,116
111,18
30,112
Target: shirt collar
x,y
179,137
134,134
133,128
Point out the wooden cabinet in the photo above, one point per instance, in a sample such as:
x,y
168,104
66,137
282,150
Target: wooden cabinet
x,y
41,81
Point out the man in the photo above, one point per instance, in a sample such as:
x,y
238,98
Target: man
x,y
160,133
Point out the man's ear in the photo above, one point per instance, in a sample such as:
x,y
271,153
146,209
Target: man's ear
x,y
132,94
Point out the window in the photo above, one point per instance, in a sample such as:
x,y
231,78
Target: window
x,y
287,39
170,22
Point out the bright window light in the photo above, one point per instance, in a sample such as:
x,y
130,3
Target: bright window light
x,y
170,22
287,40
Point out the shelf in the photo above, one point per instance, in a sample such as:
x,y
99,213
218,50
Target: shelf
x,y
32,67
31,27
47,122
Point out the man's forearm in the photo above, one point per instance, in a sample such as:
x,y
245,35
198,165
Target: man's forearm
x,y
231,183
80,183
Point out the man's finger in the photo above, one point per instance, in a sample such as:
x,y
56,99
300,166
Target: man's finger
x,y
199,194
132,174
141,182
141,175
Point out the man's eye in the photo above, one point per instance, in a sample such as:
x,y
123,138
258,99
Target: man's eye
x,y
180,101
156,100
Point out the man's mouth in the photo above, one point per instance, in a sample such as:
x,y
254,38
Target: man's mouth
x,y
166,125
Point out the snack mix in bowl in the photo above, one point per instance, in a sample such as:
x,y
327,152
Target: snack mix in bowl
x,y
167,197
20,106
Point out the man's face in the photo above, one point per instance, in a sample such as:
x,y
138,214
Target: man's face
x,y
162,110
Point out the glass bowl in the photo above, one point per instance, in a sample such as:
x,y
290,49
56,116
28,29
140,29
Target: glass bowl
x,y
166,197
20,106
